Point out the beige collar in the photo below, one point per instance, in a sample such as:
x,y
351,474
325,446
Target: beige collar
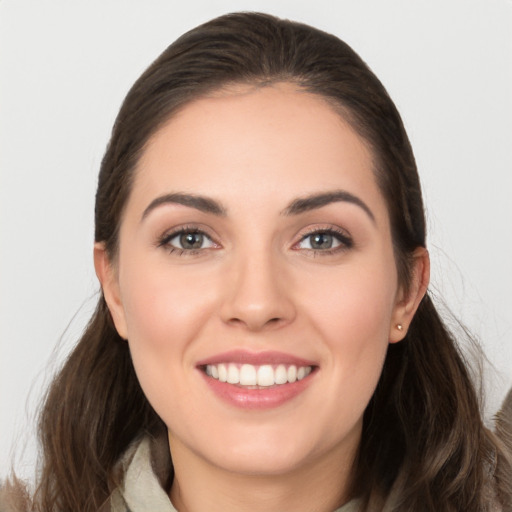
x,y
142,491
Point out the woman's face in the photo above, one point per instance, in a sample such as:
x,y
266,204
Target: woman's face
x,y
255,281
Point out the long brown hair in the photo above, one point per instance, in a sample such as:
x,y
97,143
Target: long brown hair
x,y
424,446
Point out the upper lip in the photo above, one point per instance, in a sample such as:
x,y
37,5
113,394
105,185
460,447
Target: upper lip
x,y
255,358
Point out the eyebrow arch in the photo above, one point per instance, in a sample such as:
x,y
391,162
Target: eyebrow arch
x,y
315,201
203,204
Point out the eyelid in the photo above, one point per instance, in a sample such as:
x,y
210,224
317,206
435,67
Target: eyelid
x,y
342,235
164,239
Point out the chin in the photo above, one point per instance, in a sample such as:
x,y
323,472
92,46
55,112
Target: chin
x,y
268,450
262,461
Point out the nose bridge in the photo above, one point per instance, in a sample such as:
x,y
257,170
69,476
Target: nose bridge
x,y
256,296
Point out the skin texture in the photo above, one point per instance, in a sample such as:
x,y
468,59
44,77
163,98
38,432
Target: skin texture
x,y
255,284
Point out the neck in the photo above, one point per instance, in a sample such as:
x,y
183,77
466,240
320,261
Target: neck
x,y
318,486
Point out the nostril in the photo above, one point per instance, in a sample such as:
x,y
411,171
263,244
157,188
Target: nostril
x,y
256,324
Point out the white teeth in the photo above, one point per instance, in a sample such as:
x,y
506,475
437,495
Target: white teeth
x,y
266,375
281,375
223,372
263,376
233,374
248,375
303,371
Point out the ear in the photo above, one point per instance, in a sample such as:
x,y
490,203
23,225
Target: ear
x,y
409,300
107,275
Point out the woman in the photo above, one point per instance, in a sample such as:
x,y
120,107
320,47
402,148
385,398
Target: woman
x,y
265,320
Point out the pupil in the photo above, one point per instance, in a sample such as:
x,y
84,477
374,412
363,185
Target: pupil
x,y
191,240
321,241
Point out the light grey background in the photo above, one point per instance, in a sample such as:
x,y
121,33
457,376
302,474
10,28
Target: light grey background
x,y
65,67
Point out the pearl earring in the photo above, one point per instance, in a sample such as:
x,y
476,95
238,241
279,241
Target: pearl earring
x,y
400,327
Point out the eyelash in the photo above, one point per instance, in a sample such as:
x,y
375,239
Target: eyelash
x,y
164,240
345,241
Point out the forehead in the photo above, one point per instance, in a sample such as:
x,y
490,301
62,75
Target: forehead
x,y
253,141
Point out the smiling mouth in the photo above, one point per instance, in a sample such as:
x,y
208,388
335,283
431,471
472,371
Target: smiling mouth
x,y
257,376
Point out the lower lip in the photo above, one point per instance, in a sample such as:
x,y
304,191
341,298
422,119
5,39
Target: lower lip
x,y
261,398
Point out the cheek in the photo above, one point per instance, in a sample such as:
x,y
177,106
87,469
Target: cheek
x,y
164,312
354,303
352,313
163,303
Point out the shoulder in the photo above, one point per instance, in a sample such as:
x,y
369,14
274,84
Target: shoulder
x,y
147,471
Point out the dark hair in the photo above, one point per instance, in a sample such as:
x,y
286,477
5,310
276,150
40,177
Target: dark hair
x,y
424,446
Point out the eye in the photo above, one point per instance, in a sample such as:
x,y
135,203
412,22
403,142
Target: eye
x,y
319,241
186,240
325,240
191,241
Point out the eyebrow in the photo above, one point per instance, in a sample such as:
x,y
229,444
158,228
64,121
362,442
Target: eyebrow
x,y
296,207
315,201
201,203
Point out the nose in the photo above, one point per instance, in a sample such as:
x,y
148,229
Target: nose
x,y
258,293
